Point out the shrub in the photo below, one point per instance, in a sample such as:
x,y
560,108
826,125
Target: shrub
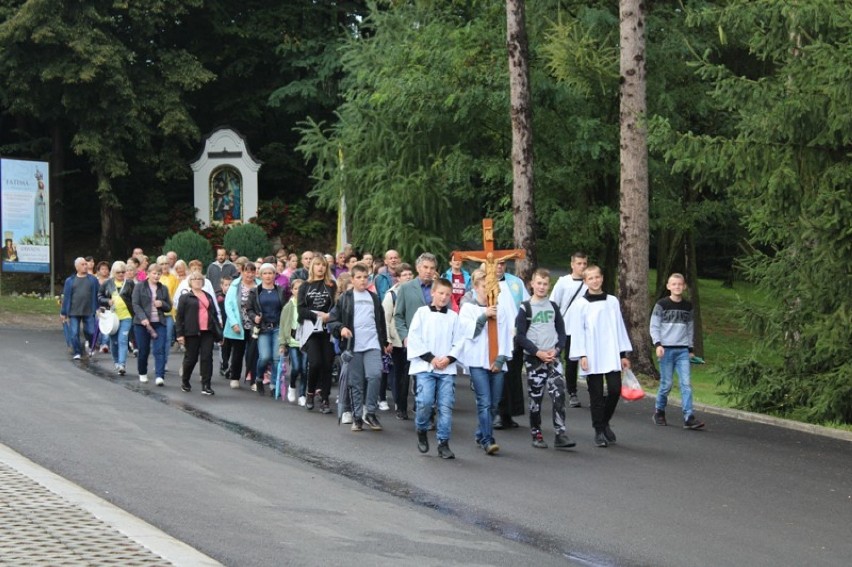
x,y
190,245
270,216
248,240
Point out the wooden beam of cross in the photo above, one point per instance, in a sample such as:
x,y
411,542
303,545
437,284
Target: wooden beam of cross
x,y
490,257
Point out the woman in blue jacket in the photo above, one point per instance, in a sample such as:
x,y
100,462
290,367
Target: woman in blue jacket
x,y
239,323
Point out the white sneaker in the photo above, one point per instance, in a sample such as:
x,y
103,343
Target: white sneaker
x,y
77,357
159,381
291,395
383,406
235,384
347,417
302,401
143,378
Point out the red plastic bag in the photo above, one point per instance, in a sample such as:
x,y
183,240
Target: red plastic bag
x,y
631,389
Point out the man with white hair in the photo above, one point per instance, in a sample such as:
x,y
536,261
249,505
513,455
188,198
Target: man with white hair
x,y
79,305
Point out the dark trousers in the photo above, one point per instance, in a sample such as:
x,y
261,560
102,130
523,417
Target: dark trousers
x,y
512,402
320,359
383,387
199,346
226,353
400,383
603,406
240,351
570,370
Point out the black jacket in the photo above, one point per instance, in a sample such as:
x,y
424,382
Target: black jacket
x,y
253,308
126,293
343,315
186,322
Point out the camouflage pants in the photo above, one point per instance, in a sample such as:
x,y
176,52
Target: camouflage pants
x,y
538,376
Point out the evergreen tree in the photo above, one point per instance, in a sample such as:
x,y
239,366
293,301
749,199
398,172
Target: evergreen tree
x,y
782,71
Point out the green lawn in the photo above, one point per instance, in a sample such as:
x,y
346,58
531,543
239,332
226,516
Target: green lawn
x,y
725,339
28,305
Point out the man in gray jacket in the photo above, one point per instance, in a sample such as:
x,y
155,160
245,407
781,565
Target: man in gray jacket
x,y
220,268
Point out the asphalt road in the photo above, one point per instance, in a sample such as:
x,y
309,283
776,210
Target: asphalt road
x,y
253,481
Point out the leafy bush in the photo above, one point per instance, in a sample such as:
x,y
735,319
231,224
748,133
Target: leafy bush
x,y
295,224
215,234
190,245
270,216
248,240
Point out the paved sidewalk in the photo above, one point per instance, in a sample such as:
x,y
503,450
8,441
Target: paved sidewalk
x,y
47,520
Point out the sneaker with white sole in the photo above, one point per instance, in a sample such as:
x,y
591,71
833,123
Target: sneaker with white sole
x,y
159,381
302,401
383,406
143,378
235,384
347,417
77,357
291,395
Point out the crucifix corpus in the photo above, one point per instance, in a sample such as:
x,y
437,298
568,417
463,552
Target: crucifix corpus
x,y
490,258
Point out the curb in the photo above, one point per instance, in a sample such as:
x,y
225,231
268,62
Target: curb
x,y
764,419
775,421
136,529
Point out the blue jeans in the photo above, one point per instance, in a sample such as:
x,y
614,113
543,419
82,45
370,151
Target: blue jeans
x,y
88,330
267,351
146,344
488,387
298,369
118,342
675,359
169,321
445,385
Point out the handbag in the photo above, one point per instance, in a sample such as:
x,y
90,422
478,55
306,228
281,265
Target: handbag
x,y
108,323
631,389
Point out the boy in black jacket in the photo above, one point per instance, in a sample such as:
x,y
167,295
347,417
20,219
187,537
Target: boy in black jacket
x,y
359,321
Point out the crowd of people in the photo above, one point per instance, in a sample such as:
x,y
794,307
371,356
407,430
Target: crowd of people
x,y
293,323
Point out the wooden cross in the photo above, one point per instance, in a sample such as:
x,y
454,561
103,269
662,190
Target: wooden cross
x,y
491,258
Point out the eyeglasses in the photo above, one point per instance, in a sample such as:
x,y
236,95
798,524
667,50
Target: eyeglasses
x,y
120,272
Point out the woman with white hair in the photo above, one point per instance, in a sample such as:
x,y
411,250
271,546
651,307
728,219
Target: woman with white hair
x,y
264,310
116,294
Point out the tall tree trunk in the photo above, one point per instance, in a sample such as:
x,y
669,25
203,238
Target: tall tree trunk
x,y
692,278
669,252
109,208
523,208
57,199
633,232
